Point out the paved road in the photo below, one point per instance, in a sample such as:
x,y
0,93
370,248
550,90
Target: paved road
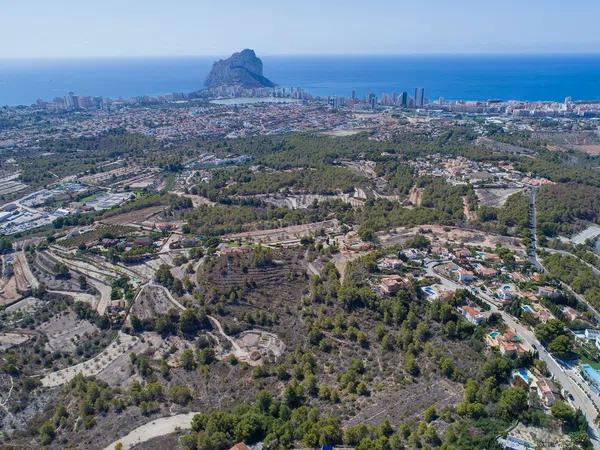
x,y
584,398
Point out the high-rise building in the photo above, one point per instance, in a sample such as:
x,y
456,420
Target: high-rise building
x,y
336,102
385,100
372,100
71,101
84,102
404,99
419,97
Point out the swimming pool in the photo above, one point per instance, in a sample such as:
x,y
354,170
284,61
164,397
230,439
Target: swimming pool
x,y
494,334
524,374
527,308
429,291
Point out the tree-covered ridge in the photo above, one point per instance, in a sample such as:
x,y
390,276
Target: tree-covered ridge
x,y
577,274
320,180
70,156
562,207
222,219
566,167
444,197
414,341
513,215
399,175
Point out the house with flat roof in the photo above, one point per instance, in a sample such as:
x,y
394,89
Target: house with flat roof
x,y
506,292
592,377
464,275
389,263
548,292
591,334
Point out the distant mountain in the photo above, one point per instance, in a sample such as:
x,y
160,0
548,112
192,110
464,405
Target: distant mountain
x,y
243,69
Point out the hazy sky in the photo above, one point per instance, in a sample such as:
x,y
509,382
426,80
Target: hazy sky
x,y
90,28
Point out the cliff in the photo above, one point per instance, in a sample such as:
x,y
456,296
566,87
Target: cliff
x,y
241,69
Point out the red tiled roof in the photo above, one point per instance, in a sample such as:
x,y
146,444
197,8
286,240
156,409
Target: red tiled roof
x,y
471,311
239,446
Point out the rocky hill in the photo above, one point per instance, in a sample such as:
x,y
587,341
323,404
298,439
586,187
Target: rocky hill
x,y
243,69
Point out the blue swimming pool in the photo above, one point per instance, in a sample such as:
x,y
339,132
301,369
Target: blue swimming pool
x,y
524,374
527,308
429,291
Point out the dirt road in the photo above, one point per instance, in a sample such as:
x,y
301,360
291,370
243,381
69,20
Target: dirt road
x,y
156,428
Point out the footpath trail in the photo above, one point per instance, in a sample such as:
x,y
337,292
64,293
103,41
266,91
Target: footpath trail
x,y
156,428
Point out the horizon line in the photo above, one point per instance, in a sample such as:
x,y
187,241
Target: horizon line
x,y
313,55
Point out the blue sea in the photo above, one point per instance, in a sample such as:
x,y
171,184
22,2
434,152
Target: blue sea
x,y
548,77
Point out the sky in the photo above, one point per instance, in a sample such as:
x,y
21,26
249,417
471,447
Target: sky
x,y
137,28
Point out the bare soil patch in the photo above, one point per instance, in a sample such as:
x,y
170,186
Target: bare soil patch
x,y
151,302
591,149
133,216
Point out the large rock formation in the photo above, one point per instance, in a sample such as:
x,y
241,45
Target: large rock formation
x,y
243,69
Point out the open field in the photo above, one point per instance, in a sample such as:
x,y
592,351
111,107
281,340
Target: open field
x,y
452,235
254,347
407,402
10,339
197,200
495,197
592,149
44,268
153,429
65,331
25,279
26,305
345,132
415,196
591,232
8,291
94,366
150,302
278,235
303,201
95,234
133,217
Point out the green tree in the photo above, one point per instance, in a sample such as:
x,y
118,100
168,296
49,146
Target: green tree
x,y
180,394
513,402
187,359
